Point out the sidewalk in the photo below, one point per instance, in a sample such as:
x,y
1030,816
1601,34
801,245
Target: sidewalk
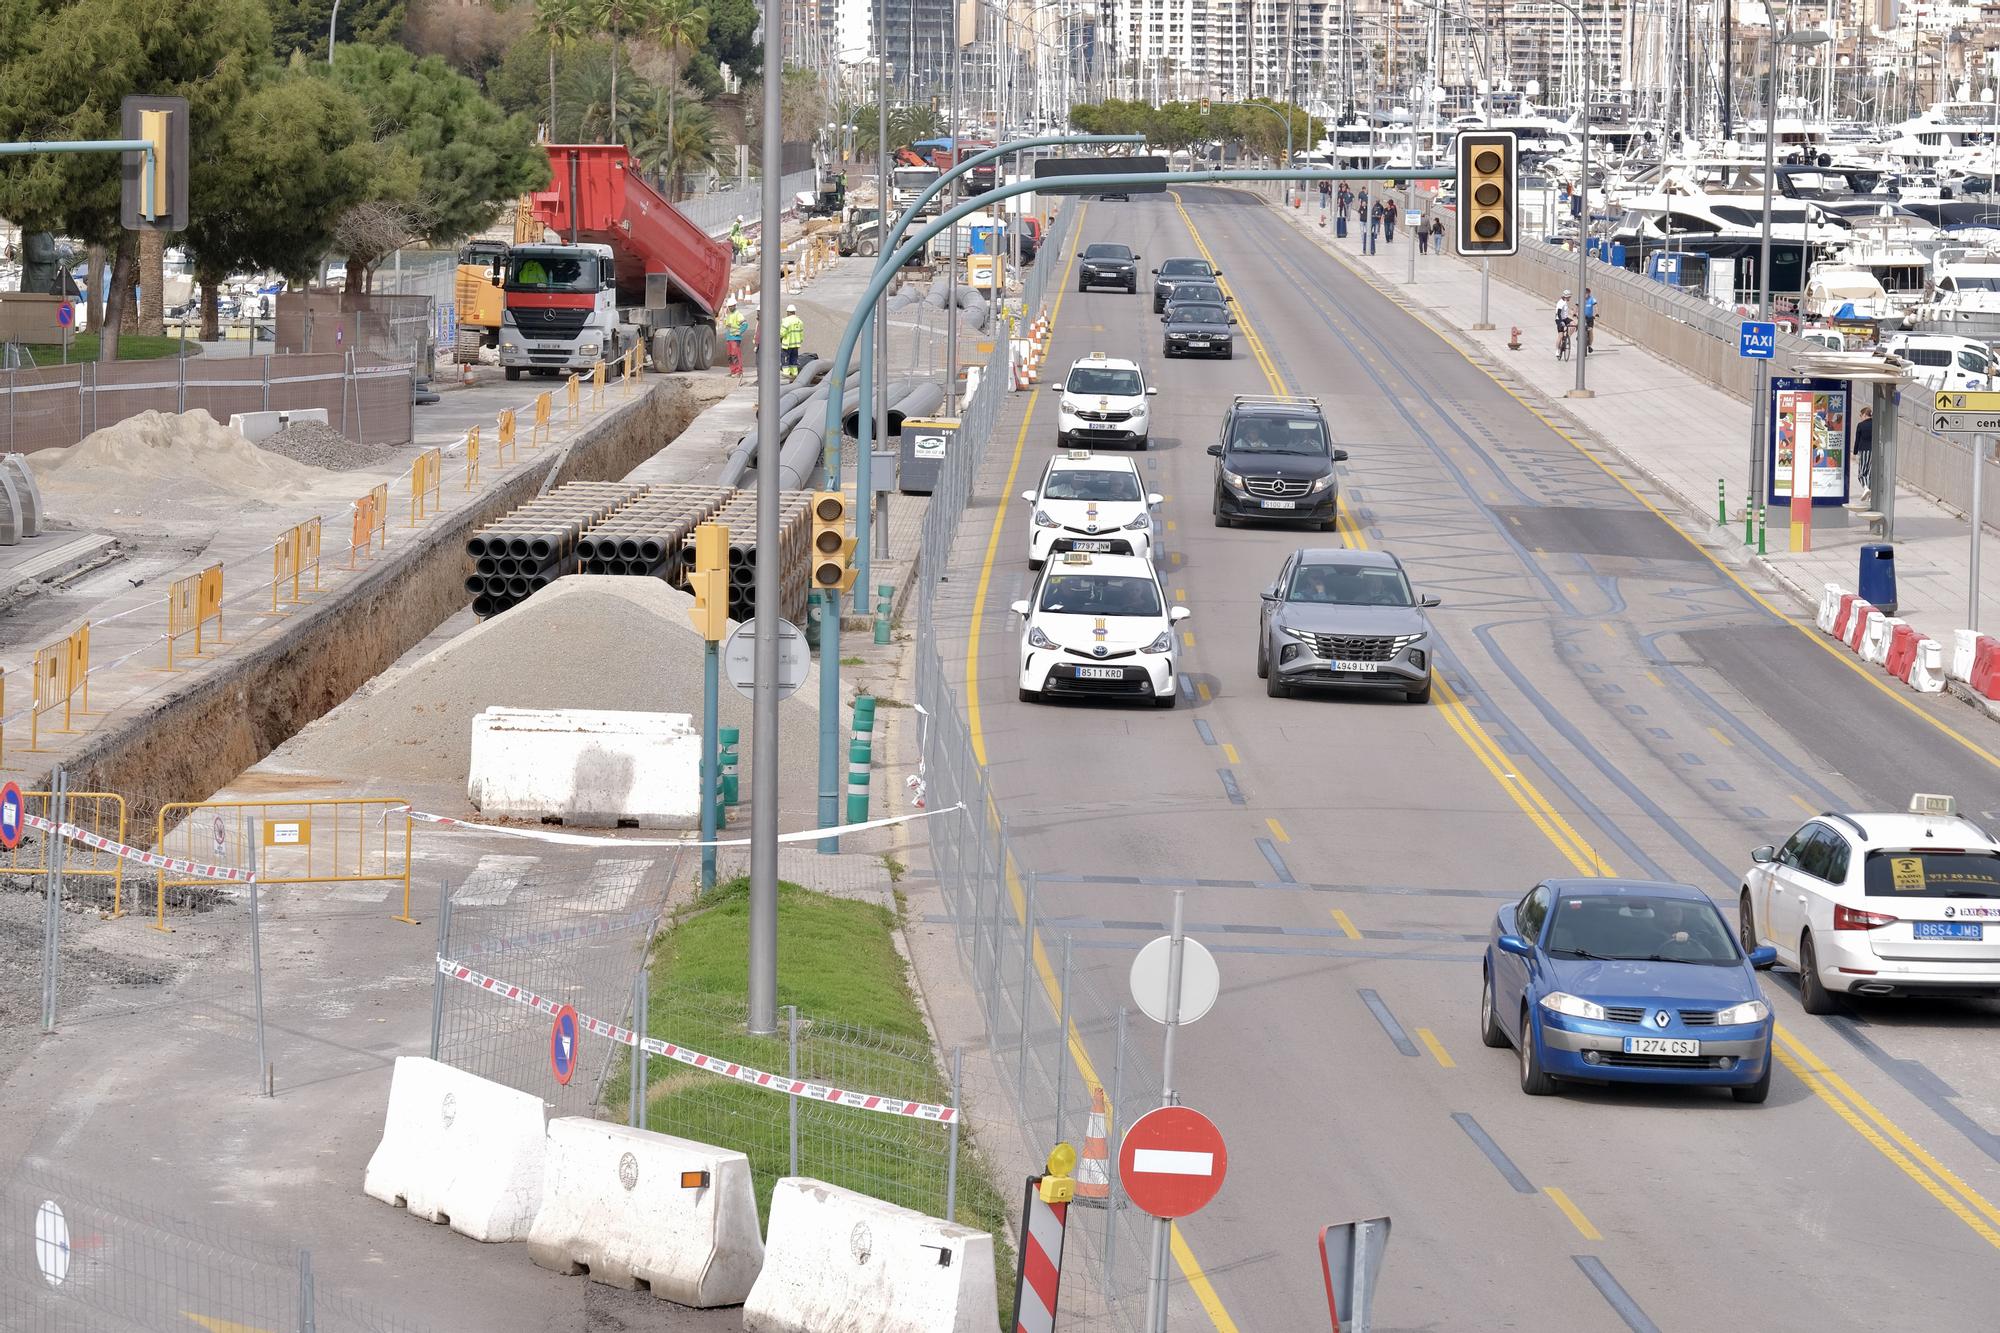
x,y
1682,433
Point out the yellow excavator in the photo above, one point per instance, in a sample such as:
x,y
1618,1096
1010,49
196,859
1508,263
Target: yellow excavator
x,y
476,291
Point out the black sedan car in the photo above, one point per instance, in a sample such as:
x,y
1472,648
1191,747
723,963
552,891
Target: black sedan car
x,y
1203,293
1199,328
1105,264
1173,272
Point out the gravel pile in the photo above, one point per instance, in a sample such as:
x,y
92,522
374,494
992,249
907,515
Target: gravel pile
x,y
316,445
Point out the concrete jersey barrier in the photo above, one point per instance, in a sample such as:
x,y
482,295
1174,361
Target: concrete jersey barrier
x,y
616,1206
841,1262
460,1150
586,766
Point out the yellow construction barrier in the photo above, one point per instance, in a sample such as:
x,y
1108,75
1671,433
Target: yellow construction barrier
x,y
471,457
544,407
295,552
363,840
192,603
62,672
629,370
505,450
597,387
573,388
371,522
426,485
99,812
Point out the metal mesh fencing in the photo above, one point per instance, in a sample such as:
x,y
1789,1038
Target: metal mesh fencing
x,y
78,1258
716,213
577,937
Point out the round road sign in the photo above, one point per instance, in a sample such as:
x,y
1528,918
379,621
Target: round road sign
x,y
1172,1161
1200,981
562,1045
739,651
66,314
51,1239
13,816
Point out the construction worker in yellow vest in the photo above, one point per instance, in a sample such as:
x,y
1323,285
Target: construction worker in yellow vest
x,y
791,337
734,323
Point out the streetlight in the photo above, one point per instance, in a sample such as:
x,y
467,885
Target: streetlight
x,y
1266,106
334,18
1758,409
1583,212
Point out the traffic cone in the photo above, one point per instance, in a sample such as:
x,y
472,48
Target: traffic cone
x,y
1093,1170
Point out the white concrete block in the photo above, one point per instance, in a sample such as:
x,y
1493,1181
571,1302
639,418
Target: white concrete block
x,y
27,494
254,426
1964,647
458,1149
1875,638
1829,606
615,1206
587,766
1927,672
841,1262
10,511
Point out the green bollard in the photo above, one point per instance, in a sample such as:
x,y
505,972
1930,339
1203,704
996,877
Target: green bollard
x,y
857,780
885,596
1760,530
1721,503
729,788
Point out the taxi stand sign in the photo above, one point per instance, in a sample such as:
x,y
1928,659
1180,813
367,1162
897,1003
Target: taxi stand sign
x,y
1757,340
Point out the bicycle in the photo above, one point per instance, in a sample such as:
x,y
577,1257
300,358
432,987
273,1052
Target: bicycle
x,y
1562,342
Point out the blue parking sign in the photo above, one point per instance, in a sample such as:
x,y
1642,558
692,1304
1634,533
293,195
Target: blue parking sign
x,y
1759,341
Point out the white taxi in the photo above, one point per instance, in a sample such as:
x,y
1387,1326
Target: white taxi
x,y
1099,625
1880,904
1089,502
1103,402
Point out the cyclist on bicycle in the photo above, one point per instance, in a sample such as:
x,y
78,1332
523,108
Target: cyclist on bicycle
x,y
1562,323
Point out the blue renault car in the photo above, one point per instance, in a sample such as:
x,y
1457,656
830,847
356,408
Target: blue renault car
x,y
1625,981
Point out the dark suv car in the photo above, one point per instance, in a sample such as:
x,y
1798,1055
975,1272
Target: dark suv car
x,y
1183,270
1107,265
1276,462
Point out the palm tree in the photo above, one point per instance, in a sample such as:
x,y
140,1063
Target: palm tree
x,y
618,17
586,97
679,26
696,144
562,23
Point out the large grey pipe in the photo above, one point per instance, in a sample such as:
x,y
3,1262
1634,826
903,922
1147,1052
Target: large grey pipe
x,y
802,427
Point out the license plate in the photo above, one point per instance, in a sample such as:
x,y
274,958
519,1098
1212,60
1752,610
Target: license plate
x,y
1194,343
1339,665
1100,673
1281,504
1948,930
1090,546
1662,1046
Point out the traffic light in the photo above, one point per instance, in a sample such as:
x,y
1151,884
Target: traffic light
x,y
154,186
1204,106
832,548
710,582
1488,175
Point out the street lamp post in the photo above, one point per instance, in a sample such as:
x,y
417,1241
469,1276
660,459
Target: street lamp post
x,y
1284,116
1582,390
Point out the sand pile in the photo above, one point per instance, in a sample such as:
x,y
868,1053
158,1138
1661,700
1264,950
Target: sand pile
x,y
156,461
583,642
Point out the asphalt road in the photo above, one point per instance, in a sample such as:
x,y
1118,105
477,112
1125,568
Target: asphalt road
x,y
1613,700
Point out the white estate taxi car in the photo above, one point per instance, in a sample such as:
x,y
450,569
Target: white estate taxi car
x,y
1103,402
1100,625
1880,904
1089,502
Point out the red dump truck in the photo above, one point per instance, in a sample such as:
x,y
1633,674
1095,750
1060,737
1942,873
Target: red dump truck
x,y
633,270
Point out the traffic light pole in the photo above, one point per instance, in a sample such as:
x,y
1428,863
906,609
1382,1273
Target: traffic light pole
x,y
763,951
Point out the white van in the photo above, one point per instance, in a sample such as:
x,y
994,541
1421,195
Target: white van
x,y
1943,361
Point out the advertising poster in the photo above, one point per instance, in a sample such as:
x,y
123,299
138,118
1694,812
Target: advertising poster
x,y
1812,415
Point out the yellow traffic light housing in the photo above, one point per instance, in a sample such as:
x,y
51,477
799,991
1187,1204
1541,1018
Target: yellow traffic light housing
x,y
832,548
153,184
710,582
1488,192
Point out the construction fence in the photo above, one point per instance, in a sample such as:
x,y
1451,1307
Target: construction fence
x,y
77,1257
388,327
55,406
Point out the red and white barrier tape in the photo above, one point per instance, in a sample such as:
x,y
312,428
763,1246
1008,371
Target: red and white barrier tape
x,y
604,840
138,854
791,1087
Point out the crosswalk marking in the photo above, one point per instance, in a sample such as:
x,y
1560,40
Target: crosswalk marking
x,y
612,886
493,881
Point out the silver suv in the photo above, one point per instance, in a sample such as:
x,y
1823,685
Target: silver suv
x,y
1338,617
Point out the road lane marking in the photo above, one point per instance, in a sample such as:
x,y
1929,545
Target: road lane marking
x,y
1229,753
1346,924
1613,1294
1803,803
972,719
1278,866
1202,691
1198,1283
1718,734
1187,637
1377,1007
1180,594
1229,787
1170,525
1572,1212
1656,680
1501,1162
1202,730
1278,830
1436,1048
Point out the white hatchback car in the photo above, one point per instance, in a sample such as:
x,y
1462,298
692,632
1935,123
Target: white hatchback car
x,y
1099,625
1880,904
1103,402
1089,502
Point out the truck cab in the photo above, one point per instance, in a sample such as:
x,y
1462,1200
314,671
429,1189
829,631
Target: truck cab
x,y
562,309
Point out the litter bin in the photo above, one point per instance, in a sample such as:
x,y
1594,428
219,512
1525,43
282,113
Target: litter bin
x,y
1340,227
1878,577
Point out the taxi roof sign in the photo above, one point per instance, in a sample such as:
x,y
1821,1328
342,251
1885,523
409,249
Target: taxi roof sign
x,y
1931,803
1078,455
1076,557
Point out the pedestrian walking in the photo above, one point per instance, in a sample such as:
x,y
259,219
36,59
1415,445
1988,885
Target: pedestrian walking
x,y
1423,238
1864,451
734,324
791,337
1346,200
1389,221
1437,235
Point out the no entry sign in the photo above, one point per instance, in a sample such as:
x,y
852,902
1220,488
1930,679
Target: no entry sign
x,y
1172,1162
